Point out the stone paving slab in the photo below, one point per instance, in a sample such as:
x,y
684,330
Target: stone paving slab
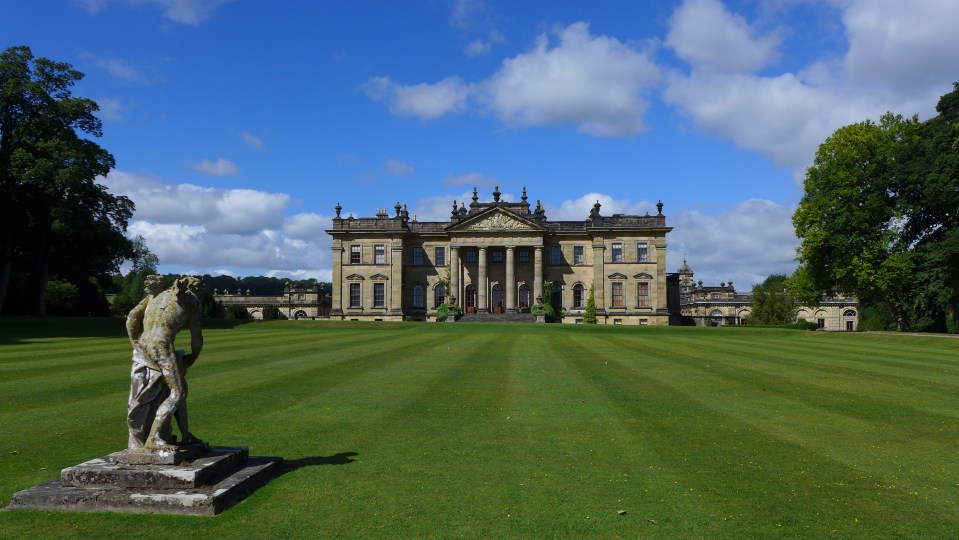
x,y
204,500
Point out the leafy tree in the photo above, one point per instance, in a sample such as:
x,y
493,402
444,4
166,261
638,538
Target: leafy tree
x,y
49,199
929,195
772,302
272,313
142,258
62,297
446,309
544,304
235,312
848,219
589,316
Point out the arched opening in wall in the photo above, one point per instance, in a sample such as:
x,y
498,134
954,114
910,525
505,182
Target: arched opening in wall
x,y
256,314
742,317
300,314
821,319
419,297
497,298
524,298
470,301
579,299
716,317
849,320
439,295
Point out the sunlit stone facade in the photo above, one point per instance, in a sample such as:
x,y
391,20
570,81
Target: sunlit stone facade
x,y
497,255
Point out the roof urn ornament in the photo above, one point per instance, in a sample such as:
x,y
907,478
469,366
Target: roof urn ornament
x,y
659,207
338,209
496,194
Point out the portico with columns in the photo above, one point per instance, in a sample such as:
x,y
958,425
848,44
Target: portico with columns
x,y
496,256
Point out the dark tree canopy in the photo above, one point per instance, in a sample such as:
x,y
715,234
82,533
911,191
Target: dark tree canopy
x,y
54,217
772,302
878,218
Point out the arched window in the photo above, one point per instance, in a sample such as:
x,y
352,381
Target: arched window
x,y
439,295
470,298
579,302
419,297
524,296
849,313
497,296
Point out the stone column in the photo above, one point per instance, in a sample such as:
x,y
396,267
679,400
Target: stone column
x,y
510,281
396,279
455,275
537,274
599,280
481,288
336,309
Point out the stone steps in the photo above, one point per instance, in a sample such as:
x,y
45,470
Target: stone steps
x,y
498,317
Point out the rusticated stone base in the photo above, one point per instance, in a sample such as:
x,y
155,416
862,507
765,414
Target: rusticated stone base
x,y
208,485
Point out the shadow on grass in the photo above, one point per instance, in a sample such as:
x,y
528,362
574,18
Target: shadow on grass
x,y
20,330
343,458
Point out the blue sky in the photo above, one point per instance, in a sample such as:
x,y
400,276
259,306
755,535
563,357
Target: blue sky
x,y
238,125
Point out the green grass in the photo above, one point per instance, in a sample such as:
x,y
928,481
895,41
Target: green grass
x,y
529,431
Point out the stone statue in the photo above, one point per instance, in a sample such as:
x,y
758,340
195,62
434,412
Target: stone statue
x,y
158,388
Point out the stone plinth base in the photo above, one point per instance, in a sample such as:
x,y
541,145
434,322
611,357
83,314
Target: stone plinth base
x,y
214,481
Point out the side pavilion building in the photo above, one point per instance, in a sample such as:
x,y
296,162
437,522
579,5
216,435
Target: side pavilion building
x,y
497,255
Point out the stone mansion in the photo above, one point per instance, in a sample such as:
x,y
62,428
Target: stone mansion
x,y
497,255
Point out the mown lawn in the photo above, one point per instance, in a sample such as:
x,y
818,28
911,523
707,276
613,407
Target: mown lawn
x,y
522,431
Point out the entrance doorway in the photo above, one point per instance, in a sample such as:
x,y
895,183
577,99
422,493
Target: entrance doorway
x,y
497,298
470,300
523,298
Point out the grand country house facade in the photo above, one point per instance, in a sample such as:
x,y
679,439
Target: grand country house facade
x,y
497,256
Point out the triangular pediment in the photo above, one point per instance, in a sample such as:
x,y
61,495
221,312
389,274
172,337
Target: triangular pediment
x,y
379,277
355,277
643,275
617,275
496,219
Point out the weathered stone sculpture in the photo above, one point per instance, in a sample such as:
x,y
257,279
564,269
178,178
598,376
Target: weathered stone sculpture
x,y
158,388
156,473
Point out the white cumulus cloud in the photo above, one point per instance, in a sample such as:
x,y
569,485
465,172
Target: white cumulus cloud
x,y
746,244
703,32
220,167
579,208
205,230
425,101
899,58
593,82
596,83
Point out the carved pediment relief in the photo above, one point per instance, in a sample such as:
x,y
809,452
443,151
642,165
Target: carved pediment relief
x,y
498,221
617,275
643,275
355,277
379,277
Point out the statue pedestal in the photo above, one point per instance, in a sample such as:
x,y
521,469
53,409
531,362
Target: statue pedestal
x,y
206,483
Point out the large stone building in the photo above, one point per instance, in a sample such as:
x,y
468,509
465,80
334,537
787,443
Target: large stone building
x,y
294,302
497,255
710,305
